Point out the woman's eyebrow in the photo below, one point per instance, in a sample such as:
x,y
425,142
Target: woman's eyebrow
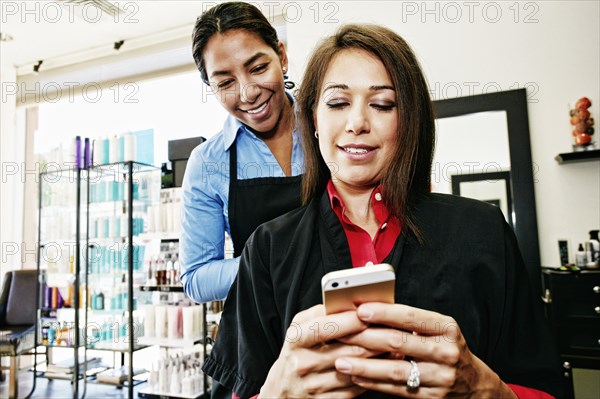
x,y
381,87
254,58
248,62
346,87
333,86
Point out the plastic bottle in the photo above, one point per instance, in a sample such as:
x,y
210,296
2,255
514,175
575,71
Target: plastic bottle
x,y
197,380
77,155
175,386
87,155
162,377
99,301
176,271
113,152
580,256
153,379
151,273
161,273
593,255
186,384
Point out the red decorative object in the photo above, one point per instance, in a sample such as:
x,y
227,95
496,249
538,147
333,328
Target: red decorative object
x,y
582,123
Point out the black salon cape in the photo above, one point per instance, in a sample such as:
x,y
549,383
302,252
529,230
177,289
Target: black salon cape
x,y
470,268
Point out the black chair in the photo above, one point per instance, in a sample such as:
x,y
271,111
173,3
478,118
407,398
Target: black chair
x,y
18,322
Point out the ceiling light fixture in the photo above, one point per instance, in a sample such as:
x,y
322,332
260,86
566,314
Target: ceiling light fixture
x,y
118,44
5,37
36,67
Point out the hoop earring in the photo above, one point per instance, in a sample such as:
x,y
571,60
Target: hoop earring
x,y
289,85
316,135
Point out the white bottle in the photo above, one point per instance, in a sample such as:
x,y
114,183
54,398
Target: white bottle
x,y
175,386
580,260
169,369
169,273
187,384
197,381
162,378
153,379
129,147
113,152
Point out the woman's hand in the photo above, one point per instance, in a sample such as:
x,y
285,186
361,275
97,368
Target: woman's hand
x,y
434,341
306,364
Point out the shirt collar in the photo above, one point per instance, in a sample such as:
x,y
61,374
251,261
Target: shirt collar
x,y
382,213
233,126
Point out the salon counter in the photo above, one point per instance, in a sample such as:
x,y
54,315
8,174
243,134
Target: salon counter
x,y
572,302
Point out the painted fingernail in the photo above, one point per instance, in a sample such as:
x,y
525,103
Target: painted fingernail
x,y
343,366
365,313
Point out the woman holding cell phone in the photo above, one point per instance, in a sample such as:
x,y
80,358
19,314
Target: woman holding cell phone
x,y
464,322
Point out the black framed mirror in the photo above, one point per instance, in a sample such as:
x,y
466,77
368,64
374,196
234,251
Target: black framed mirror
x,y
489,122
493,188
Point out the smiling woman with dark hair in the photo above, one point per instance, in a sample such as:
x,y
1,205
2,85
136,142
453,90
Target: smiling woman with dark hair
x,y
464,323
249,173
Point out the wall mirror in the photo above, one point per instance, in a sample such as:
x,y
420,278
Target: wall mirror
x,y
493,188
482,144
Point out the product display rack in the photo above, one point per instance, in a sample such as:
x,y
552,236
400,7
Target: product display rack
x,y
61,237
95,221
171,343
120,194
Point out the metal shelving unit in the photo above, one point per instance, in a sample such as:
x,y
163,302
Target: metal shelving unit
x,y
120,194
62,238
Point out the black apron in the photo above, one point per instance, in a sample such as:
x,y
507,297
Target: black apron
x,y
253,202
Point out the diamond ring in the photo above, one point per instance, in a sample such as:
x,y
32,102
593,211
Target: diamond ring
x,y
414,378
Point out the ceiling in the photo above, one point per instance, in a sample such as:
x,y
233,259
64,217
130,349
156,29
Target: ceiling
x,y
59,32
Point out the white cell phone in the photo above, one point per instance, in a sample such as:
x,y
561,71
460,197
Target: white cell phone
x,y
346,289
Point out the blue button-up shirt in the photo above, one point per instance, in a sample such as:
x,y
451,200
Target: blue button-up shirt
x,y
205,274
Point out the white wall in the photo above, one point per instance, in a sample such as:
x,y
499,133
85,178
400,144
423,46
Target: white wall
x,y
12,153
550,47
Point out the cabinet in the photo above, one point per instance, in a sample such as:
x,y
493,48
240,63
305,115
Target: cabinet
x,y
573,309
119,196
62,239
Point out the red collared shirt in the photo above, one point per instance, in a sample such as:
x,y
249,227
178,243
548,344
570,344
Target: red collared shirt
x,y
363,248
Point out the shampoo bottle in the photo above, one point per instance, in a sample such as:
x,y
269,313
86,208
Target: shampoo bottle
x,y
580,256
162,377
186,384
175,387
593,245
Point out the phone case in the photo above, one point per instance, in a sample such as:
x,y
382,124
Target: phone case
x,y
356,286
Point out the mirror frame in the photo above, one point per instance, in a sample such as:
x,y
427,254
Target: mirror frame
x,y
514,103
485,177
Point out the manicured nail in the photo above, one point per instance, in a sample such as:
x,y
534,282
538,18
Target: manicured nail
x,y
365,313
343,366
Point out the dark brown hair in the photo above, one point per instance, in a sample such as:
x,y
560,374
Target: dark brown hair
x,y
229,16
407,175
